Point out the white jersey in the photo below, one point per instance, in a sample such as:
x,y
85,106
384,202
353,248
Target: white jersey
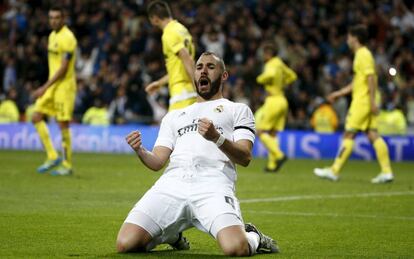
x,y
179,132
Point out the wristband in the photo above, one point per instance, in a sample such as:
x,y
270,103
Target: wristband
x,y
220,140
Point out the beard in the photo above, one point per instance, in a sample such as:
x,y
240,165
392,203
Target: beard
x,y
214,88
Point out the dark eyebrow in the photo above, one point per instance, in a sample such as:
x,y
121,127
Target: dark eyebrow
x,y
207,64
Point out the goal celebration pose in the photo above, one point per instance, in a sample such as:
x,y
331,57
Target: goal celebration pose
x,y
203,143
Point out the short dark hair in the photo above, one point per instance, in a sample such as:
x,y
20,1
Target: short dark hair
x,y
360,32
56,7
269,46
159,8
219,60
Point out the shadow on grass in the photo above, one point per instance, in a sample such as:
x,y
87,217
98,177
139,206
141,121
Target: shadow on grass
x,y
161,254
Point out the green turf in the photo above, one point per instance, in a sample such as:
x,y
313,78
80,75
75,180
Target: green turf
x,y
79,216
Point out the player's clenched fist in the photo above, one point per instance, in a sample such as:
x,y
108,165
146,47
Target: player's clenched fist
x,y
207,130
134,140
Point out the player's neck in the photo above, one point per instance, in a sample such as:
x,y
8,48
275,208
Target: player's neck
x,y
358,46
267,58
164,23
213,98
60,28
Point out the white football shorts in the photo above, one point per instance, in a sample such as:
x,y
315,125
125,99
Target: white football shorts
x,y
178,201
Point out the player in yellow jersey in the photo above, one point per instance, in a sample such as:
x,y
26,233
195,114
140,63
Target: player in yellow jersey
x,y
363,112
9,113
271,117
57,96
179,51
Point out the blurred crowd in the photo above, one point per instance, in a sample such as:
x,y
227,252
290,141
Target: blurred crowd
x,y
120,52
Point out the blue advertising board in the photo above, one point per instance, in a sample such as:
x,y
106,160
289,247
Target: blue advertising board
x,y
111,139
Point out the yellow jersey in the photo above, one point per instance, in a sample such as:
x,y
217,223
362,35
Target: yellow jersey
x,y
275,76
363,66
96,116
324,119
175,37
9,112
392,123
62,44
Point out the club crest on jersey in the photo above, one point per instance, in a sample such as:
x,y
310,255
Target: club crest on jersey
x,y
219,109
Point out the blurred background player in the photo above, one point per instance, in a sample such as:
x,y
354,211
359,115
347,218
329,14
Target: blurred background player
x,y
9,113
97,115
271,116
57,96
179,51
324,119
363,112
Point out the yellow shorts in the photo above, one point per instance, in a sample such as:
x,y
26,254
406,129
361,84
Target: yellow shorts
x,y
360,118
58,101
272,115
182,104
182,95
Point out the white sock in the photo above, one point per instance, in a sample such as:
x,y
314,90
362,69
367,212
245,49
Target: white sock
x,y
253,239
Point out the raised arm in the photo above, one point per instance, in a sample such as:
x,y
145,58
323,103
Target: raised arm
x,y
155,159
188,63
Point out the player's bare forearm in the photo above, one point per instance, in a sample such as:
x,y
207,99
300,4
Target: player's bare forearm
x,y
188,63
56,77
156,85
341,92
372,86
154,160
345,90
239,152
163,80
60,73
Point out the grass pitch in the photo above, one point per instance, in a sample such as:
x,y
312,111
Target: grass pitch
x,y
43,216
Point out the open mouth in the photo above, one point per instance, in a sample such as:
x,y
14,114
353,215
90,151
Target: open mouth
x,y
203,81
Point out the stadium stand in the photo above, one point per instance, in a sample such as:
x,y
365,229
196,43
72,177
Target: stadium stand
x,y
118,49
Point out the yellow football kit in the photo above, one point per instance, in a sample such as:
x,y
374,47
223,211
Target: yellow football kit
x,y
276,75
9,112
360,117
96,116
59,99
272,115
175,37
324,119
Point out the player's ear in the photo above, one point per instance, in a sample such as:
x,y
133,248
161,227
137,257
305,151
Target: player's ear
x,y
224,76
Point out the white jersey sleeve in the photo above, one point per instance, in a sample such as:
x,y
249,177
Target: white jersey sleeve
x,y
166,136
244,126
